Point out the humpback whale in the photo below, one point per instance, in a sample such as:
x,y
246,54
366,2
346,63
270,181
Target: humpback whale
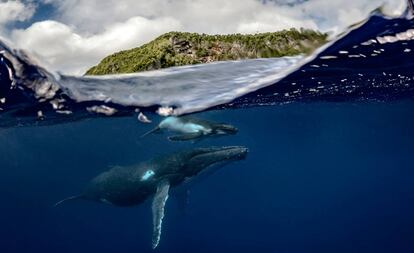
x,y
132,185
192,128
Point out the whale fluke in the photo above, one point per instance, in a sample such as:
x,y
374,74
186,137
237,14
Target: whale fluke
x,y
67,199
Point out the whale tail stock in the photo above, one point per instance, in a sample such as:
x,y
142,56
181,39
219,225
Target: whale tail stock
x,y
67,199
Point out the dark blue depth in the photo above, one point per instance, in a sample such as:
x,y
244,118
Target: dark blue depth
x,y
320,177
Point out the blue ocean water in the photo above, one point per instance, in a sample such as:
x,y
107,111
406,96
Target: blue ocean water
x,y
319,177
330,144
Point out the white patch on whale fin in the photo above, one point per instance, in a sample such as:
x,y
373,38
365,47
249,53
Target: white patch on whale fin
x,y
147,175
158,206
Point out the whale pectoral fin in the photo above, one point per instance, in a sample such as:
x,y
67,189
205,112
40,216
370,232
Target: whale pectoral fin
x,y
152,131
186,137
158,205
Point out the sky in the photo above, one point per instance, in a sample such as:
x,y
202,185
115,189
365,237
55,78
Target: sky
x,y
70,36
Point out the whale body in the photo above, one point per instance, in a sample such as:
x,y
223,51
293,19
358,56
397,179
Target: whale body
x,y
190,128
132,185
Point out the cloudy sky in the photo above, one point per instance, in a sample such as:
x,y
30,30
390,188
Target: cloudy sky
x,y
71,35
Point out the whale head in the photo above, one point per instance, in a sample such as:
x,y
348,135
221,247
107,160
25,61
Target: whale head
x,y
204,158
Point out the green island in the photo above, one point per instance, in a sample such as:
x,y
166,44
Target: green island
x,y
183,48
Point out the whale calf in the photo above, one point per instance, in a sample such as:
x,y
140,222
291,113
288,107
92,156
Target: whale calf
x,y
132,185
190,128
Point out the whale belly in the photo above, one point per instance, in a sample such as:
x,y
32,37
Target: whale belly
x,y
192,128
176,125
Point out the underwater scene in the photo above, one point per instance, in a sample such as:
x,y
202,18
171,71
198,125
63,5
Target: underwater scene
x,y
303,153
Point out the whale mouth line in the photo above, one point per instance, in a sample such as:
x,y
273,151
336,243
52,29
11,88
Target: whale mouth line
x,y
223,154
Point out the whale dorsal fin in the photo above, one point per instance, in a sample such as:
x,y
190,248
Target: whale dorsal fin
x,y
158,205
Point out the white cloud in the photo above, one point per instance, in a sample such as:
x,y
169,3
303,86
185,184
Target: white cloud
x,y
336,15
274,19
218,16
87,30
61,48
15,11
213,16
